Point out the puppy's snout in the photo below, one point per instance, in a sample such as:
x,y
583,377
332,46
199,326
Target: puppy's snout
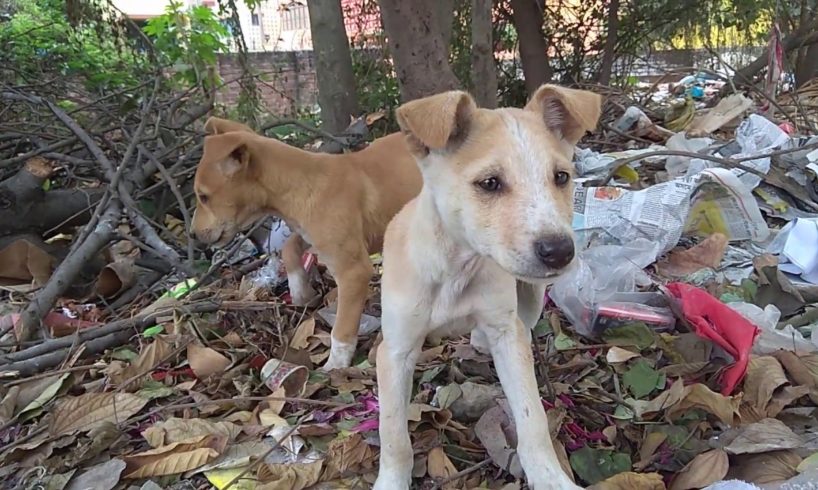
x,y
555,252
197,242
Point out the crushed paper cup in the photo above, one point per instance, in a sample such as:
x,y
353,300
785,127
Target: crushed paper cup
x,y
280,374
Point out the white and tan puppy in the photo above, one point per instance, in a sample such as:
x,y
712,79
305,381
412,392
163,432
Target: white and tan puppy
x,y
474,252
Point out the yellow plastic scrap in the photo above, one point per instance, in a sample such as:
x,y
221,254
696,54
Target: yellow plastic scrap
x,y
221,478
679,116
627,173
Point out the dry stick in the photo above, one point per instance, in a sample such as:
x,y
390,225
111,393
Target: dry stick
x,y
262,457
730,163
55,358
174,189
135,322
460,474
87,367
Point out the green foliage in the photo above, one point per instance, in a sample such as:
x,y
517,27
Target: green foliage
x,y
189,40
38,37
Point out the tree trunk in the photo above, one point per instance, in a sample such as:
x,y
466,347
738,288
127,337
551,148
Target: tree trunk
x,y
609,53
807,68
483,70
527,17
418,47
445,17
333,64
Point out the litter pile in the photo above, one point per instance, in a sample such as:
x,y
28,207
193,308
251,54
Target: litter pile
x,y
680,352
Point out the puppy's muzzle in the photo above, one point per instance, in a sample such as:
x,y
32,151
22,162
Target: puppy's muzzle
x,y
554,252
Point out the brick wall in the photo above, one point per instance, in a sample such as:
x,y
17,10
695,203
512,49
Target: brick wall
x,y
287,80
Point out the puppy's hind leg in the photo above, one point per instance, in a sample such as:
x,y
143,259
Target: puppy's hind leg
x,y
300,289
396,360
511,350
353,286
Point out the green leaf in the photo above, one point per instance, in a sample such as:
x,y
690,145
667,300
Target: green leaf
x,y
543,328
564,342
153,331
448,394
34,408
152,389
633,334
430,374
623,412
641,379
124,354
595,465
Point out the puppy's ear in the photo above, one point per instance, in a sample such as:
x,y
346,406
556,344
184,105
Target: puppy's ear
x,y
229,151
568,113
217,125
436,122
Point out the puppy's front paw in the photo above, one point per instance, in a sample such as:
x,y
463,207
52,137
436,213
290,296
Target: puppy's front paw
x,y
340,355
553,484
304,296
388,480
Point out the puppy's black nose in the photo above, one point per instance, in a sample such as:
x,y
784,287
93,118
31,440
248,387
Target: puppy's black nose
x,y
555,251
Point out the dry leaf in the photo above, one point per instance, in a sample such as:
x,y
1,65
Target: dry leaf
x,y
489,429
82,413
150,357
440,466
23,261
784,398
705,469
302,334
679,399
648,449
761,437
178,430
175,458
618,354
100,477
631,481
349,455
205,361
115,277
764,376
8,404
290,476
707,254
769,467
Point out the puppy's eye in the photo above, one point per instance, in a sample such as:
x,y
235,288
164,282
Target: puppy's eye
x,y
203,199
561,178
492,184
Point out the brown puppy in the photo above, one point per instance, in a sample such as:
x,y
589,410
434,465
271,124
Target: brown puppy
x,y
338,204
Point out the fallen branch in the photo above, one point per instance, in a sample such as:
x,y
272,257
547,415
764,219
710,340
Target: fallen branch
x,y
68,269
138,322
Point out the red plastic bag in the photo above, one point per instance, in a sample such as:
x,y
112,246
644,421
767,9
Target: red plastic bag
x,y
719,323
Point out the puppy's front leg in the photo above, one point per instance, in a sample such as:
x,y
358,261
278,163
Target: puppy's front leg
x,y
511,351
395,365
292,252
353,286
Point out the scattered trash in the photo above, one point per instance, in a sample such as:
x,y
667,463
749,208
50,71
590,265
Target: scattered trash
x,y
711,201
713,320
280,374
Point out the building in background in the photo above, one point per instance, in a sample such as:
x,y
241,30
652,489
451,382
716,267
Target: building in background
x,y
274,25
